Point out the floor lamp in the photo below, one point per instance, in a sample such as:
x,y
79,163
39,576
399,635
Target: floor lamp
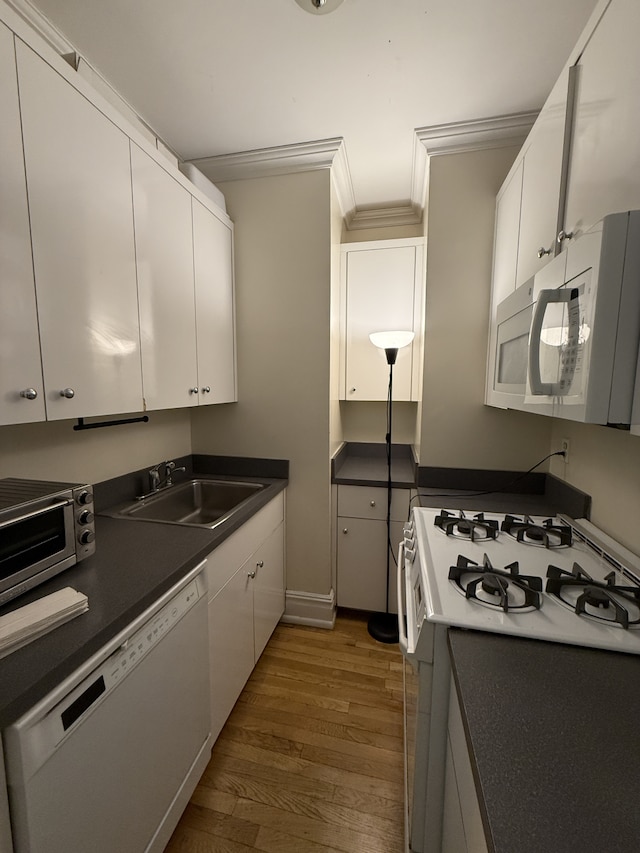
x,y
384,626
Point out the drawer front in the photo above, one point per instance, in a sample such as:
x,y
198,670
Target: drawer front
x,y
237,548
368,502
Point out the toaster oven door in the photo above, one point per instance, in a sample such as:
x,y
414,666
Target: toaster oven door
x,y
35,544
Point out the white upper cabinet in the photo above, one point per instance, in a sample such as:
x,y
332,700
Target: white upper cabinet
x,y
21,388
604,174
541,184
164,257
507,232
215,318
382,290
79,186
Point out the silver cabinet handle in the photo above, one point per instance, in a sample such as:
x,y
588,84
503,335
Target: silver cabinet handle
x,y
372,503
29,393
259,564
352,390
564,235
206,389
542,251
68,393
251,574
193,390
345,530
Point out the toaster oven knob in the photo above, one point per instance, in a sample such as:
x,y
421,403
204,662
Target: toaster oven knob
x,y
85,517
85,498
86,536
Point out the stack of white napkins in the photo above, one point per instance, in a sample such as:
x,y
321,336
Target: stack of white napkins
x,y
33,620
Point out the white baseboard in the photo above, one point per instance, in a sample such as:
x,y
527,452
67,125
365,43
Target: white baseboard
x,y
309,608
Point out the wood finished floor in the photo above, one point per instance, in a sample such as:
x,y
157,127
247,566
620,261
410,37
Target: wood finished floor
x,y
310,760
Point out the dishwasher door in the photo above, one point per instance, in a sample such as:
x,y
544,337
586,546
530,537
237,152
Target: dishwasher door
x,y
111,765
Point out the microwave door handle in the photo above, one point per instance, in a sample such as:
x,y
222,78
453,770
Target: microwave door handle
x,y
34,513
545,298
402,634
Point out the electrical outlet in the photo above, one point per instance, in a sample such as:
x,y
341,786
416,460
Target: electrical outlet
x,y
564,446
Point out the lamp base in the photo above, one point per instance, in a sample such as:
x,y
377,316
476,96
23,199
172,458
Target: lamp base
x,y
383,627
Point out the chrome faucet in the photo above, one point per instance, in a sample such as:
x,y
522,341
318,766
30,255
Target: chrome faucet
x,y
156,482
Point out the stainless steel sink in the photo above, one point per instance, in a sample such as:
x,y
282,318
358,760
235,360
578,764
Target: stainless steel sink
x,y
199,502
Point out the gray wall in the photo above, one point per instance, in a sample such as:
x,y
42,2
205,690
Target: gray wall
x,y
283,296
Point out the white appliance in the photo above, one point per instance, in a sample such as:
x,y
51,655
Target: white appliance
x,y
549,579
567,341
108,760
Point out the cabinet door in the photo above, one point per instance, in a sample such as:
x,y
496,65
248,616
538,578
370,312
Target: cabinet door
x,y
604,170
164,257
231,650
382,293
362,564
541,184
79,185
215,316
20,368
268,588
366,502
507,234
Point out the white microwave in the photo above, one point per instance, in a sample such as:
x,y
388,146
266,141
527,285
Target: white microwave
x,y
582,344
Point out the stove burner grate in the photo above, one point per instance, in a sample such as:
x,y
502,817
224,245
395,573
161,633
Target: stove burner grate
x,y
606,602
549,533
476,527
504,588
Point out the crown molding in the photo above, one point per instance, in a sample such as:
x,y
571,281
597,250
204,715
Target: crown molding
x,y
263,162
42,26
477,135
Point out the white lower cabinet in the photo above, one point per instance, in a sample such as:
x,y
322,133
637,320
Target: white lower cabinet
x,y
462,828
246,600
362,546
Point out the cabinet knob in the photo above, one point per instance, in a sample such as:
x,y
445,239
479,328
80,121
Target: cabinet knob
x,y
542,251
68,393
345,530
259,564
251,575
29,393
372,503
193,390
352,390
564,235
206,389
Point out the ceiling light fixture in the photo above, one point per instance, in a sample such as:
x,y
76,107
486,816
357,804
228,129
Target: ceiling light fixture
x,y
319,7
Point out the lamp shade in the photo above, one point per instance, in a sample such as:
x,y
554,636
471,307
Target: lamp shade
x,y
391,340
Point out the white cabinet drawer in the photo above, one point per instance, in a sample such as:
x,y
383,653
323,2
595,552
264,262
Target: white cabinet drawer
x,y
368,502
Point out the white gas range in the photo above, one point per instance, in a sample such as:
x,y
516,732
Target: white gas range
x,y
551,579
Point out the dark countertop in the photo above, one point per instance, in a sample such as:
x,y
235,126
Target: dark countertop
x,y
134,564
553,735
365,464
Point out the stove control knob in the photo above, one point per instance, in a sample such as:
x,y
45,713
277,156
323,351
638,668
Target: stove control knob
x,y
86,537
84,498
409,554
85,517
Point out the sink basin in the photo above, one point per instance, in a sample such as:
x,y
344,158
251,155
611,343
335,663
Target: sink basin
x,y
203,503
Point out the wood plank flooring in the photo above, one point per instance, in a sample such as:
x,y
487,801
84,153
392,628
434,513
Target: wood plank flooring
x,y
310,760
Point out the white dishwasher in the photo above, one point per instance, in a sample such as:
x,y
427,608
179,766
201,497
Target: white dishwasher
x,y
108,760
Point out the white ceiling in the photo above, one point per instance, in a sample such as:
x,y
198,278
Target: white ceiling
x,y
216,77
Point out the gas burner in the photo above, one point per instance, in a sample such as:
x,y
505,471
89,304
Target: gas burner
x,y
477,527
545,534
504,588
604,601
